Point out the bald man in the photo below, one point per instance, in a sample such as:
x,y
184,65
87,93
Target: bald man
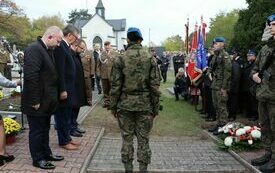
x,y
40,94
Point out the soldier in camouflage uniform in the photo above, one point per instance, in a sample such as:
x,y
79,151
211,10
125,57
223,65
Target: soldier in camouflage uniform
x,y
220,74
135,81
263,74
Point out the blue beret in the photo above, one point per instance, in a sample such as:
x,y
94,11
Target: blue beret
x,y
270,19
251,52
219,39
136,30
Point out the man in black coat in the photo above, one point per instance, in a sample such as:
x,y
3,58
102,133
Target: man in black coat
x,y
97,78
39,98
77,49
67,73
178,61
233,100
164,66
251,101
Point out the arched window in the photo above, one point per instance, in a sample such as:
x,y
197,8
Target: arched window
x,y
98,40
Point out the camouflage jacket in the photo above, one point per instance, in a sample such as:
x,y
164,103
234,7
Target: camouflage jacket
x,y
135,81
106,63
220,69
265,91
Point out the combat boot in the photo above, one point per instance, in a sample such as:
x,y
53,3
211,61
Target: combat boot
x,y
269,167
128,167
143,167
262,160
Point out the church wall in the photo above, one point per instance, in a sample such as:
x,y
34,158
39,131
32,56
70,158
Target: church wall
x,y
97,27
121,39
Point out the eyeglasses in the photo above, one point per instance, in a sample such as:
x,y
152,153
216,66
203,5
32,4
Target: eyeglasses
x,y
272,24
82,48
76,37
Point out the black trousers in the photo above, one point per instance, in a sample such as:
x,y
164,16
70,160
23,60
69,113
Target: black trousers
x,y
74,123
233,104
98,85
39,137
164,75
209,107
251,105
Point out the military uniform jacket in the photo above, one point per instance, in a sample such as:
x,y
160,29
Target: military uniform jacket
x,y
4,58
220,69
88,64
135,82
106,63
265,91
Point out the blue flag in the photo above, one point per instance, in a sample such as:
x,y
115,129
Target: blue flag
x,y
201,61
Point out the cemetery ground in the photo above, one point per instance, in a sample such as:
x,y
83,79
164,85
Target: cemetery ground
x,y
179,143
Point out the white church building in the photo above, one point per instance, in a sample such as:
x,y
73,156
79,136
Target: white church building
x,y
98,29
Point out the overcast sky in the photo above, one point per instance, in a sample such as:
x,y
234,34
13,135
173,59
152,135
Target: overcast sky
x,y
164,17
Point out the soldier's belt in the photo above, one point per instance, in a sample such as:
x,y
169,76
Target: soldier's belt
x,y
137,93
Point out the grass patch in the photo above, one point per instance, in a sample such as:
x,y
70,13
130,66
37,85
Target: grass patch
x,y
177,118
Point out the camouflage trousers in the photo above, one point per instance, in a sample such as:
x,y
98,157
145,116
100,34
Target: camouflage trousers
x,y
267,123
220,105
137,124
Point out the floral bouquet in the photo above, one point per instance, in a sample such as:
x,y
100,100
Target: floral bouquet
x,y
15,92
239,137
11,127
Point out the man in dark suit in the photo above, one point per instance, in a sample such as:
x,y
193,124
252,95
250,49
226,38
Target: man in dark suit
x,y
67,73
97,75
39,99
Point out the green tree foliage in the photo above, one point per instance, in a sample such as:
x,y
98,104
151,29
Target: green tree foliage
x,y
249,28
41,24
17,27
13,23
81,14
174,43
222,25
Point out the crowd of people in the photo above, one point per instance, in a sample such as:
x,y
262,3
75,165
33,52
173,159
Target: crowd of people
x,y
60,74
231,84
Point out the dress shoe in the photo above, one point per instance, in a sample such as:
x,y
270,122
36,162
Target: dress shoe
x,y
269,167
76,143
7,158
70,147
43,164
54,158
261,160
76,134
80,130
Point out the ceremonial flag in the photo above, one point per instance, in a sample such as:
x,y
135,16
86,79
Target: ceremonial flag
x,y
201,62
195,40
203,26
186,37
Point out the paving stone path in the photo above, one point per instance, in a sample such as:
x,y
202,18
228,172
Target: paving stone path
x,y
169,155
73,159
